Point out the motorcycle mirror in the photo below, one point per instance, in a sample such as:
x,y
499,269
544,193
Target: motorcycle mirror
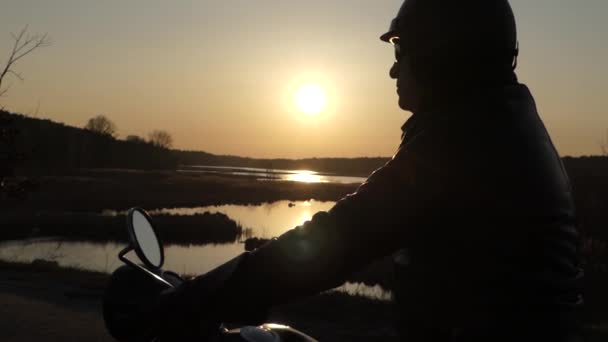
x,y
144,238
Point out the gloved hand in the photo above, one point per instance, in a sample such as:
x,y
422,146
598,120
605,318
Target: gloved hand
x,y
126,303
196,307
173,316
138,308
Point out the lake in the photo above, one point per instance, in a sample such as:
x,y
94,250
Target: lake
x,y
303,176
267,221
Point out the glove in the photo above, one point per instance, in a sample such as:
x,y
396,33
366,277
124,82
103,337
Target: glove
x,y
126,303
136,308
197,307
173,317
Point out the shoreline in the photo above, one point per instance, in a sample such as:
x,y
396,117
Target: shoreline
x,y
99,190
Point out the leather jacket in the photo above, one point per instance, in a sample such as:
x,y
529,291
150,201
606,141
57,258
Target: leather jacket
x,y
478,198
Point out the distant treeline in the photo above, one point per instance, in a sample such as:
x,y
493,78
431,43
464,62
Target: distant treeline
x,y
44,144
49,145
340,166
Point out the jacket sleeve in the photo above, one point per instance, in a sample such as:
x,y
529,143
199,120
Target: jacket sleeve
x,y
385,214
382,216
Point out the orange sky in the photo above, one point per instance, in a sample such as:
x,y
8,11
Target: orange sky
x,y
219,75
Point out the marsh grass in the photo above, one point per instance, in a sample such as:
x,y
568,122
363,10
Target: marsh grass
x,y
98,190
194,229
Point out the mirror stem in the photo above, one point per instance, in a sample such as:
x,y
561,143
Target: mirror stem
x,y
123,258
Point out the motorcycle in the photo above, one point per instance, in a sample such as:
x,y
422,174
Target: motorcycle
x,y
144,241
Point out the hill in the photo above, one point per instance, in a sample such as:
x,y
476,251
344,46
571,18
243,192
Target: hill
x,y
48,147
43,144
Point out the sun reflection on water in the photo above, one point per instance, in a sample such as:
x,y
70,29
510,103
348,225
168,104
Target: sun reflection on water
x,y
306,176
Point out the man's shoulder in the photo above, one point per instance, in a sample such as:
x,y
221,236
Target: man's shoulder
x,y
474,135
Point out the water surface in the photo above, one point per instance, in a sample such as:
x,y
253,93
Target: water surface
x,y
266,220
103,257
302,176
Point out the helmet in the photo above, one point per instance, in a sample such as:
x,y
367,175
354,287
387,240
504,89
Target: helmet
x,y
478,29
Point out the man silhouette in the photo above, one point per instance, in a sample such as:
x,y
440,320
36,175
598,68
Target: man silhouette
x,y
475,205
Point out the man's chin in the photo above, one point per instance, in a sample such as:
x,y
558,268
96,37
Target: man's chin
x,y
407,102
403,104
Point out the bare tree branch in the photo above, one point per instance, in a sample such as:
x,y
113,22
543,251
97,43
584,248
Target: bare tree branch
x,y
4,91
35,43
16,75
37,109
604,145
22,46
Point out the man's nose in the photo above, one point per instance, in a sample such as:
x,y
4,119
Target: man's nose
x,y
394,72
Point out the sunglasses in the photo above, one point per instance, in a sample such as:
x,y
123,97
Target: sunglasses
x,y
397,45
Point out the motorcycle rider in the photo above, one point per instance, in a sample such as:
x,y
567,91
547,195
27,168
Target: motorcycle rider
x,y
475,204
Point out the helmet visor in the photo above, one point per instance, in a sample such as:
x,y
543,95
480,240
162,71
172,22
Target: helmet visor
x,y
392,32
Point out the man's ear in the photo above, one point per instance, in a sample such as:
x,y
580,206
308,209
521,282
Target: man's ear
x,y
419,69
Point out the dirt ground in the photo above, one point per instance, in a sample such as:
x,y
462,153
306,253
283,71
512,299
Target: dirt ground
x,y
53,304
38,303
27,319
36,307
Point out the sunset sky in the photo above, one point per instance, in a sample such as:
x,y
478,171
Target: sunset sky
x,y
223,76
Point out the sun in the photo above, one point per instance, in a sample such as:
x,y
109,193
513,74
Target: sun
x,y
311,99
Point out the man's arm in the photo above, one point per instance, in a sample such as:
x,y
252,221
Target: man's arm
x,y
385,214
382,216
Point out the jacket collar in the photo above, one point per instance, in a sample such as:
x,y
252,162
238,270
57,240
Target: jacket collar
x,y
511,93
416,123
